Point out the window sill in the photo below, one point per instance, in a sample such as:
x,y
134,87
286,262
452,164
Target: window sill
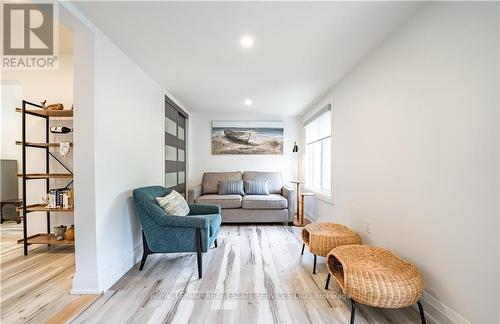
x,y
321,196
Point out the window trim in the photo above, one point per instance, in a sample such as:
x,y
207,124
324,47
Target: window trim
x,y
321,195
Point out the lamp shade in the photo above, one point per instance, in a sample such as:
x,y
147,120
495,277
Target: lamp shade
x,y
295,147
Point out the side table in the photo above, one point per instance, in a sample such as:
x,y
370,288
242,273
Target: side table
x,y
301,221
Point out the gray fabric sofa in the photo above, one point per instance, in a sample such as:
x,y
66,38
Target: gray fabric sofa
x,y
278,206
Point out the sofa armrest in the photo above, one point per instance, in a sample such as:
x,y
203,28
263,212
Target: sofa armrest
x,y
202,209
194,193
289,194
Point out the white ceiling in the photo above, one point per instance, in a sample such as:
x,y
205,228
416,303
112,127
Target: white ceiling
x,y
193,50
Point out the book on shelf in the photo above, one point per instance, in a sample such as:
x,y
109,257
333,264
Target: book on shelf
x,y
60,198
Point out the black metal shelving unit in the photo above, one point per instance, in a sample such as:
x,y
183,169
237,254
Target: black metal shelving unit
x,y
38,111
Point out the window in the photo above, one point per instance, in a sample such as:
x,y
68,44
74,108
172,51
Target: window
x,y
318,152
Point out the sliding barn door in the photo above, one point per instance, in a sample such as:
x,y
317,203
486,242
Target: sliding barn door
x,y
175,147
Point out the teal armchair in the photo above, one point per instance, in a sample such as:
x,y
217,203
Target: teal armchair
x,y
163,233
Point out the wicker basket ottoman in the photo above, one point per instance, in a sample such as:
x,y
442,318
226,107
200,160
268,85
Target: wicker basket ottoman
x,y
375,277
321,238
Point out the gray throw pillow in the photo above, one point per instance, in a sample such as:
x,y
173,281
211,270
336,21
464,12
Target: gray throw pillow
x,y
231,187
256,187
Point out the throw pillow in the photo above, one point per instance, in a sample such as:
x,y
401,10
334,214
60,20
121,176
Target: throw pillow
x,y
174,204
231,187
256,187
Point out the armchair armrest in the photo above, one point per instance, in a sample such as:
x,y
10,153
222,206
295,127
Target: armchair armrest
x,y
182,221
202,209
194,193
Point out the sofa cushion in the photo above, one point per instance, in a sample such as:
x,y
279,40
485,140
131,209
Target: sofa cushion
x,y
210,181
231,187
274,181
272,201
224,201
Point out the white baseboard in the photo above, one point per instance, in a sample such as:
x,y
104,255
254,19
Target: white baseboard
x,y
85,284
94,284
439,313
113,272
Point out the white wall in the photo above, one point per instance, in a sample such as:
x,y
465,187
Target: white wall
x,y
416,151
128,154
120,141
55,86
202,160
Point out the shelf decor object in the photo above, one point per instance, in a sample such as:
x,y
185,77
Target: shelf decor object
x,y
41,238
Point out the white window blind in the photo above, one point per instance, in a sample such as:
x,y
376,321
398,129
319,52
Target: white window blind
x,y
318,140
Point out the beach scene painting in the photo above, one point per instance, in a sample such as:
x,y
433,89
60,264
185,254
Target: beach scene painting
x,y
247,137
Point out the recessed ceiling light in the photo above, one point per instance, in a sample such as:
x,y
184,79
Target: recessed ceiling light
x,y
246,41
248,102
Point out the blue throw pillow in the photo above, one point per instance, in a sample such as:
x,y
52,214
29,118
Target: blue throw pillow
x,y
256,187
231,187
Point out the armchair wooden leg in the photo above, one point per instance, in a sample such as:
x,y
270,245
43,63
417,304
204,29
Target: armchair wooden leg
x,y
215,243
327,281
146,251
198,252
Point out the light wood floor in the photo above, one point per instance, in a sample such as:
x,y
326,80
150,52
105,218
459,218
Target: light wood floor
x,y
35,288
256,275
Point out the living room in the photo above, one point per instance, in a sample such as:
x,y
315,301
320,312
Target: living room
x,y
286,162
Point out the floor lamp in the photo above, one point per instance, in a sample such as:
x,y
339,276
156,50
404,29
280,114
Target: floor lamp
x,y
299,220
296,150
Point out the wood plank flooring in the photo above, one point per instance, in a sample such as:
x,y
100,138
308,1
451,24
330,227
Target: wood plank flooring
x,y
256,275
35,288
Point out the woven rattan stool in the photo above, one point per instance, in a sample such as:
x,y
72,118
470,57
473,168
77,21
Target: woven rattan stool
x,y
321,238
376,277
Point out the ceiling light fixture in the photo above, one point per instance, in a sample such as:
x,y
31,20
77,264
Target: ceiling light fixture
x,y
246,41
248,102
